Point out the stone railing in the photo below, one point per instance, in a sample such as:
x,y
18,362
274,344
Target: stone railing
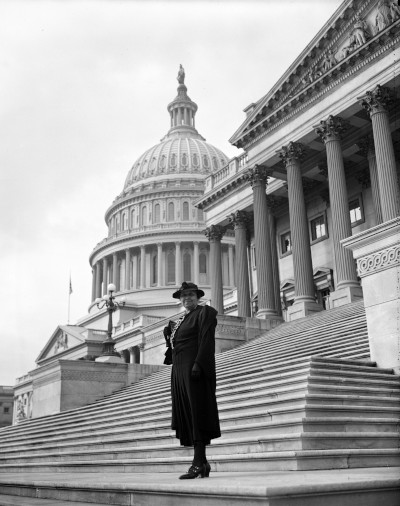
x,y
235,165
23,379
137,322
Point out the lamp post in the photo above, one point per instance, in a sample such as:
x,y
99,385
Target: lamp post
x,y
112,305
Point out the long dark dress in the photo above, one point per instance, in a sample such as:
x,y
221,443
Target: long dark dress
x,y
194,404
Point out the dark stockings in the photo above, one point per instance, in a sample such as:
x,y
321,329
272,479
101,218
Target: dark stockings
x,y
199,453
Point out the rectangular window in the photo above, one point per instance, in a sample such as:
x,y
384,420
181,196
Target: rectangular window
x,y
318,228
286,243
356,211
6,410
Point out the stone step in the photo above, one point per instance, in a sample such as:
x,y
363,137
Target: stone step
x,y
238,445
247,462
355,487
163,434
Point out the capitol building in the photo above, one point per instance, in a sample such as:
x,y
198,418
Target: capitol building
x,y
304,220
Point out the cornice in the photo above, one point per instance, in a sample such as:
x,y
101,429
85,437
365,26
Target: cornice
x,y
322,85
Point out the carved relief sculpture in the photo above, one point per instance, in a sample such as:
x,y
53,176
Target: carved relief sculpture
x,y
383,16
360,31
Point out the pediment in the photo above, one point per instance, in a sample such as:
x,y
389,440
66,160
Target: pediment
x,y
346,41
287,284
63,338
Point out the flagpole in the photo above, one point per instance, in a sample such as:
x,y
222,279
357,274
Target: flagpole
x,y
69,297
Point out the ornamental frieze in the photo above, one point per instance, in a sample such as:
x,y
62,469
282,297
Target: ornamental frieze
x,y
378,261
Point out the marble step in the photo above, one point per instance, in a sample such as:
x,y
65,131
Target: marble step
x,y
247,462
355,487
163,434
225,446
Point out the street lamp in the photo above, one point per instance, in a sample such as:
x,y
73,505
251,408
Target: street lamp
x,y
112,305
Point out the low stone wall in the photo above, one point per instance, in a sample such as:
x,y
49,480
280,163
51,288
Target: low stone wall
x,y
69,384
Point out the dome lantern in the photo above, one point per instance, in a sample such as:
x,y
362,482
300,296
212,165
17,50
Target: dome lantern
x,y
182,110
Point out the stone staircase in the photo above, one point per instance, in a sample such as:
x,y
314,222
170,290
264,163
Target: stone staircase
x,y
304,396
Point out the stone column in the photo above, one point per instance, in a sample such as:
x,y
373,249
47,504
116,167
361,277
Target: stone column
x,y
127,269
304,289
377,102
274,257
214,234
141,349
347,287
105,269
231,269
93,283
377,251
135,284
366,145
265,281
178,264
196,267
240,219
98,280
142,266
115,273
159,264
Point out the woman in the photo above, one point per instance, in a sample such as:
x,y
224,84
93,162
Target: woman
x,y
193,383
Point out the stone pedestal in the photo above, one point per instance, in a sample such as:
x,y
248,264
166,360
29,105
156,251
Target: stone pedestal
x,y
302,308
377,251
345,295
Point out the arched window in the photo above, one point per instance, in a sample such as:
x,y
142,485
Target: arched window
x,y
144,216
133,224
171,267
173,160
117,224
195,159
171,212
215,162
112,225
125,218
185,212
156,214
187,266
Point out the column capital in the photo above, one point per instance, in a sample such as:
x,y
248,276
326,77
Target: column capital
x,y
331,129
214,232
377,100
366,145
239,219
256,175
293,151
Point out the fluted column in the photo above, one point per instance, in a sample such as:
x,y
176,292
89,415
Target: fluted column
x,y
196,267
98,280
346,275
159,264
127,269
142,266
93,283
115,273
366,145
135,284
105,269
214,234
240,219
304,300
265,281
178,264
274,257
231,268
377,102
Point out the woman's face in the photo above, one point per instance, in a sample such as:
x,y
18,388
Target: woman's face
x,y
189,299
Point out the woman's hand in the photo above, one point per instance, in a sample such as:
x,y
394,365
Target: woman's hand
x,y
196,371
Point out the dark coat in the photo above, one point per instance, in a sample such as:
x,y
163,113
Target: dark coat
x,y
194,404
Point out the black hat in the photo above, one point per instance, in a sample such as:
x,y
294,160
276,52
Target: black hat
x,y
188,286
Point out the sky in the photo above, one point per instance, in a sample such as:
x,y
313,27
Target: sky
x,y
84,90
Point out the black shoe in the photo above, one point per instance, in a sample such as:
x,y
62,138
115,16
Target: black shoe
x,y
195,472
208,469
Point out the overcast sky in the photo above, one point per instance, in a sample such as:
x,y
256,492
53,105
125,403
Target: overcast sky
x,y
84,91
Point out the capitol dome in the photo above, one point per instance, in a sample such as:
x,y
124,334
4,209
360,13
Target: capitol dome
x,y
156,234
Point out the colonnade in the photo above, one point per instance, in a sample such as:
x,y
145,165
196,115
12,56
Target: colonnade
x,y
134,272
385,190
